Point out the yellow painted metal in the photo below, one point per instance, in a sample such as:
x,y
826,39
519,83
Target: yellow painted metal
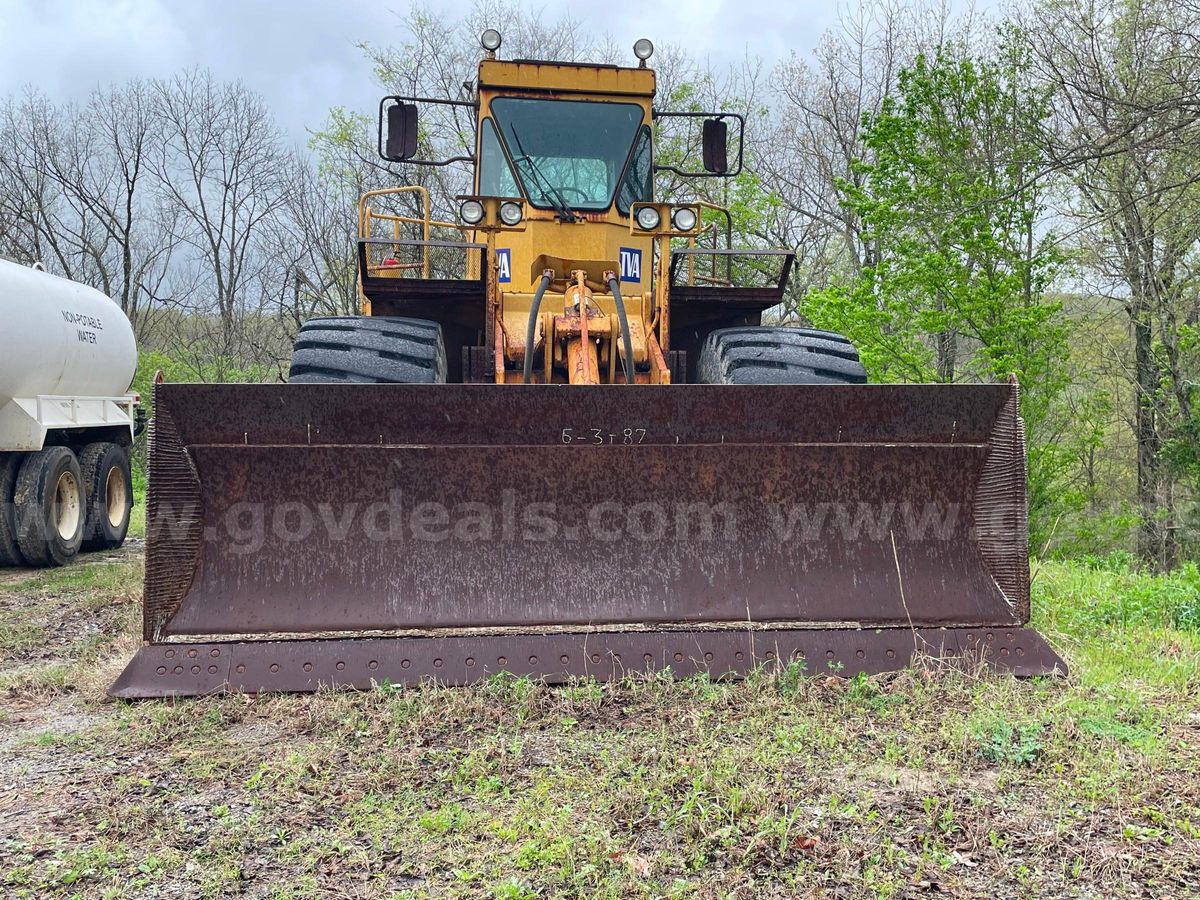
x,y
660,373
662,237
365,215
592,245
594,242
512,78
514,317
662,296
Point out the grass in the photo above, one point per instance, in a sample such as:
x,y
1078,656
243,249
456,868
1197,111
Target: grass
x,y
966,784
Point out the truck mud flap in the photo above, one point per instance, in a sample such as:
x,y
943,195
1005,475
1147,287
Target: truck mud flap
x,y
344,535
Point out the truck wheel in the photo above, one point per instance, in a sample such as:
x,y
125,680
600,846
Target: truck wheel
x,y
10,553
109,487
778,355
50,507
369,350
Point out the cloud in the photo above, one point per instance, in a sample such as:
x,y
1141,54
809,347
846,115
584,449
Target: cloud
x,y
301,55
61,47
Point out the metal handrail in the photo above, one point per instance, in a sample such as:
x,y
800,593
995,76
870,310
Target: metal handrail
x,y
704,204
689,253
711,229
366,216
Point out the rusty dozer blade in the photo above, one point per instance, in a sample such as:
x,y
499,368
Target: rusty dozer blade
x,y
344,535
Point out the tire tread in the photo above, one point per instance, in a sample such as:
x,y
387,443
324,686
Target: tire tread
x,y
10,552
91,458
779,355
369,350
33,537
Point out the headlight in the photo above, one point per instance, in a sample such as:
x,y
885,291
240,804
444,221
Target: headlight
x,y
643,49
648,218
510,213
684,218
471,212
490,40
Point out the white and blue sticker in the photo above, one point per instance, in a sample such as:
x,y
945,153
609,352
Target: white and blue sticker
x,y
504,265
631,264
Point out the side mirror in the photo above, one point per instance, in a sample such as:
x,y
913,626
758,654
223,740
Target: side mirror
x,y
402,132
716,139
715,143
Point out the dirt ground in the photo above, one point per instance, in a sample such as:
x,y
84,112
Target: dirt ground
x,y
780,786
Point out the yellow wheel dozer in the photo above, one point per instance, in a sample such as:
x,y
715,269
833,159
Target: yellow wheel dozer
x,y
667,484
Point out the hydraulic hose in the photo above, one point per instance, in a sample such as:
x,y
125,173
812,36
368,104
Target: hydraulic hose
x,y
626,340
532,329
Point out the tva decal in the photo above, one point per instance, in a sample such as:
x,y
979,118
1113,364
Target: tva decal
x,y
631,264
504,265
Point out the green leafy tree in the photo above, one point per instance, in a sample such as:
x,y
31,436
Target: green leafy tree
x,y
949,200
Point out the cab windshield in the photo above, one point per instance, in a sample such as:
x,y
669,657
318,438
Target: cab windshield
x,y
567,153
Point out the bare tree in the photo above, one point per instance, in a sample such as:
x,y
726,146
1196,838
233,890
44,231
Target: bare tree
x,y
80,197
316,235
47,223
440,59
224,168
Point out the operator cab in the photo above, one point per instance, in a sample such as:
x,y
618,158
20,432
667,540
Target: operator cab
x,y
566,155
566,259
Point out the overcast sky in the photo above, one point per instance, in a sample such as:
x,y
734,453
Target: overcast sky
x,y
301,54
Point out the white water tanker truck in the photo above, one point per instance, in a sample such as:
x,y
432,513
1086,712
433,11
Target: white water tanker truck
x,y
67,419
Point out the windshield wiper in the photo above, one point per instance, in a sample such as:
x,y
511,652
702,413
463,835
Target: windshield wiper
x,y
549,191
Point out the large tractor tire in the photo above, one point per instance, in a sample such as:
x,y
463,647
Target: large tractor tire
x,y
778,355
109,486
51,507
10,553
369,350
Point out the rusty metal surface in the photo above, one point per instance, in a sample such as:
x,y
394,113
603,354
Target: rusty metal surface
x,y
170,670
339,508
171,556
407,415
869,512
255,577
1001,504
